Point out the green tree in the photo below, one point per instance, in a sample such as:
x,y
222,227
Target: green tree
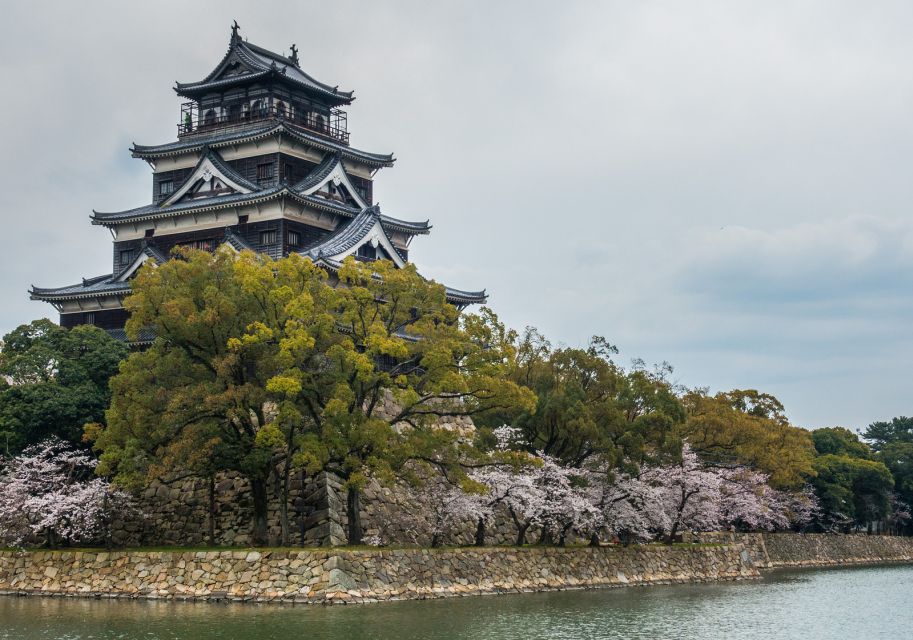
x,y
882,433
261,366
401,360
852,491
748,427
590,410
840,442
54,381
893,443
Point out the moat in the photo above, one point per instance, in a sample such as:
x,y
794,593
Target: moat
x,y
869,602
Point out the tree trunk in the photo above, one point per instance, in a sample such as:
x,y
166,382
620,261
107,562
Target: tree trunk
x,y
522,526
435,540
300,511
283,504
480,532
212,510
284,490
594,539
353,514
260,532
521,533
545,536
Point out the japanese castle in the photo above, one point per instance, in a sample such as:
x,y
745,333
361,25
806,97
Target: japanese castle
x,y
262,162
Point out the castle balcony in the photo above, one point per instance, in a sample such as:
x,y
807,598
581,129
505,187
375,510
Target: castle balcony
x,y
193,121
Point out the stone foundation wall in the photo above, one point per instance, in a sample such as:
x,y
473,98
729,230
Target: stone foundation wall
x,y
773,550
822,549
179,513
182,512
313,576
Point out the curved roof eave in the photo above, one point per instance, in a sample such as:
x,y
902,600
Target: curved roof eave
x,y
260,133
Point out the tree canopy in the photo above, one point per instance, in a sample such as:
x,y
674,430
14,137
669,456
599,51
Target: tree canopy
x,y
54,381
590,410
748,427
259,363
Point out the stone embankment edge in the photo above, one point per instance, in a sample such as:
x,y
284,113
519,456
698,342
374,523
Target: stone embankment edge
x,y
355,576
768,551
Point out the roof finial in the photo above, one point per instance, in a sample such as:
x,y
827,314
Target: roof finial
x,y
234,30
294,56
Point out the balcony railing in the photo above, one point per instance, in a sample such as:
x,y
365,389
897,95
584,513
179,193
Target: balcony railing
x,y
192,121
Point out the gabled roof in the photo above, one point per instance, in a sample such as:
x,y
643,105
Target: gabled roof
x,y
148,252
330,170
218,139
256,63
211,163
319,173
367,227
302,192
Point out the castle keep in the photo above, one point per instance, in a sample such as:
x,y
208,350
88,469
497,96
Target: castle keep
x,y
262,162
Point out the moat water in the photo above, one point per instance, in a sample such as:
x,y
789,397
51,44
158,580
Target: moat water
x,y
870,602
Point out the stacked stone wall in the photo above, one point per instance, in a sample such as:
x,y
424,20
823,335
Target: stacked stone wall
x,y
182,511
775,550
822,549
313,576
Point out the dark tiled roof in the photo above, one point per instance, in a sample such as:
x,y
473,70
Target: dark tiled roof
x,y
347,237
466,297
456,297
264,62
318,174
236,241
152,211
260,131
146,336
155,252
213,156
88,288
407,226
226,169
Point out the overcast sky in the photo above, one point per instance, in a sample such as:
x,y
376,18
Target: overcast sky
x,y
722,185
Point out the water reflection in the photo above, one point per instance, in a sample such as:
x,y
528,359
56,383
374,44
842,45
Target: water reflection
x,y
867,603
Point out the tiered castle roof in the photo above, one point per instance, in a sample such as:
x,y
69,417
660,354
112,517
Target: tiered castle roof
x,y
262,163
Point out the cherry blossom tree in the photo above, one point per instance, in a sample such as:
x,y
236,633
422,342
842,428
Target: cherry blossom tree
x,y
48,493
664,500
565,505
628,507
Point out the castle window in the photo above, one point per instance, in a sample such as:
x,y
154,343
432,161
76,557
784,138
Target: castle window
x,y
280,109
90,318
209,118
202,245
288,172
265,171
126,257
268,237
367,252
166,187
294,238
